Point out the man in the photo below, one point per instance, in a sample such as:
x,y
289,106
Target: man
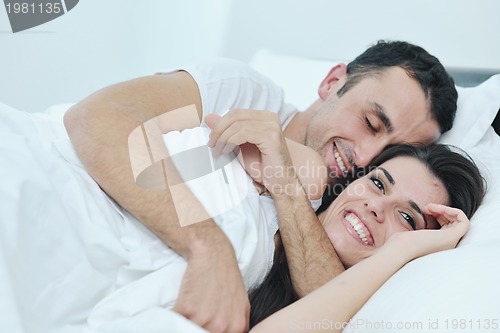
x,y
394,92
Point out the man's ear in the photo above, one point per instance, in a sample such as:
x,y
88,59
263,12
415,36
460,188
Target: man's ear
x,y
333,80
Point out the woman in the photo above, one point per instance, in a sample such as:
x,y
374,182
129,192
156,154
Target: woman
x,y
406,190
352,286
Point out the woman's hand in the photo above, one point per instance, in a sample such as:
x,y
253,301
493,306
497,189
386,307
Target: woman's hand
x,y
454,224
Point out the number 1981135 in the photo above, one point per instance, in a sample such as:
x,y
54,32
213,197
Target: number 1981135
x,y
28,8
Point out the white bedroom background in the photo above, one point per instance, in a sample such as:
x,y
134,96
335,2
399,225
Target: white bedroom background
x,y
100,42
460,32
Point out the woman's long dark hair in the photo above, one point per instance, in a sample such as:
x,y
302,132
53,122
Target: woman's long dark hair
x,y
456,170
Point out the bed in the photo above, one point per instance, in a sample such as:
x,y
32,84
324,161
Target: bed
x,y
448,291
451,291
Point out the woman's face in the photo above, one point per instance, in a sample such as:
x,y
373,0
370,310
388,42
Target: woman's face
x,y
390,199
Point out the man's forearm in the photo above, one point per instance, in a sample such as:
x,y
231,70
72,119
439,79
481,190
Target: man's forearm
x,y
311,257
99,128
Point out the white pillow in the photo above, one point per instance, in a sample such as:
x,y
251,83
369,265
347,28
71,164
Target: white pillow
x,y
450,291
299,77
485,222
476,109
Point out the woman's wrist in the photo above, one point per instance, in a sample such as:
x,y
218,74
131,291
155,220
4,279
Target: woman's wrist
x,y
400,248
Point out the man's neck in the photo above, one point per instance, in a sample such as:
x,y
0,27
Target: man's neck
x,y
297,128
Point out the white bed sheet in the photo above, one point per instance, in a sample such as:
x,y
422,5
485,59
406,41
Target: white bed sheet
x,y
72,260
65,246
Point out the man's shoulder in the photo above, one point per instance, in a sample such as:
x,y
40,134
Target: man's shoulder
x,y
226,69
226,84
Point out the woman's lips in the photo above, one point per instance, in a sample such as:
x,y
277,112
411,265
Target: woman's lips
x,y
357,229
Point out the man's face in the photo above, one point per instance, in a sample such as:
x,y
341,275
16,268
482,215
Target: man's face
x,y
380,110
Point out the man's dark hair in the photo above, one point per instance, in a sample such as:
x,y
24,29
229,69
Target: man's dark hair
x,y
437,84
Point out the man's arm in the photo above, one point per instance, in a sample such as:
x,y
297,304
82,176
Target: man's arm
x,y
311,257
312,260
212,293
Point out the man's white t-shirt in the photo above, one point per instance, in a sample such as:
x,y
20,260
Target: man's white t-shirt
x,y
226,84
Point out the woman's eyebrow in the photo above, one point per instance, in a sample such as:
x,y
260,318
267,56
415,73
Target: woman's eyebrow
x,y
415,206
387,175
412,203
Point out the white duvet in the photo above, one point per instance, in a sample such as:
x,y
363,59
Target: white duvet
x,y
72,261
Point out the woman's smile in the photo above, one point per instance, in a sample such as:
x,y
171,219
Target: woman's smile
x,y
358,228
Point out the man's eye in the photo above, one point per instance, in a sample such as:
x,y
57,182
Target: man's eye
x,y
370,125
378,183
411,221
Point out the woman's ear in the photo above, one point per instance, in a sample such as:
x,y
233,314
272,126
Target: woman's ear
x,y
333,81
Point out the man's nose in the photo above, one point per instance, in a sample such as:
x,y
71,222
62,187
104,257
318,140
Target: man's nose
x,y
366,151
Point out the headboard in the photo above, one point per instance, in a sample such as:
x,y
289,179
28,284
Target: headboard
x,y
470,77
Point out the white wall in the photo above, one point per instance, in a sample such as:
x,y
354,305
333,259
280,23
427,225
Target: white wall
x,y
104,41
100,42
459,32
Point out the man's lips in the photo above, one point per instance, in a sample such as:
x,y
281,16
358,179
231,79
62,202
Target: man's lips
x,y
340,162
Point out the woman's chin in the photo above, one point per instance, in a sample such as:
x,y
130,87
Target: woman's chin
x,y
345,254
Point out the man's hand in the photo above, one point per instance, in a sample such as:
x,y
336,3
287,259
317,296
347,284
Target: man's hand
x,y
262,129
212,293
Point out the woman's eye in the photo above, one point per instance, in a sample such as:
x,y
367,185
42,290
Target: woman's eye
x,y
408,218
378,183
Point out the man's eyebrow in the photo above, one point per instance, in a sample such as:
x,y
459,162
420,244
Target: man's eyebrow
x,y
379,112
414,205
387,175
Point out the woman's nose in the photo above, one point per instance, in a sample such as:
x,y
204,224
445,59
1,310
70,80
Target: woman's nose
x,y
376,210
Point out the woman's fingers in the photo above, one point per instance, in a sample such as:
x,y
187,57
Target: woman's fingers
x,y
445,214
454,223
